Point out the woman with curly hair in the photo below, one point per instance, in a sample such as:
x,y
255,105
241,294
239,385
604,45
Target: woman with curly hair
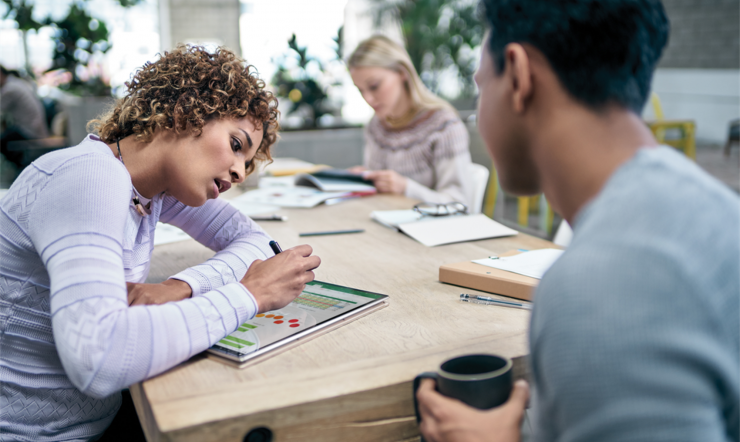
x,y
415,145
77,322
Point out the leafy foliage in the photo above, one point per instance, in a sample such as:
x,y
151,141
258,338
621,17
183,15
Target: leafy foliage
x,y
77,36
304,80
439,34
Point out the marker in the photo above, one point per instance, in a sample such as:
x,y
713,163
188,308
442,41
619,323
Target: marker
x,y
275,247
270,218
485,300
331,232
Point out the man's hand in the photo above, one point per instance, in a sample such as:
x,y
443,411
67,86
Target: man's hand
x,y
168,291
448,420
387,181
276,281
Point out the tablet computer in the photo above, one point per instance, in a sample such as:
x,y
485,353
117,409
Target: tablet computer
x,y
319,308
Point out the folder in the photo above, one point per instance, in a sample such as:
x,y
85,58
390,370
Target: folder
x,y
487,279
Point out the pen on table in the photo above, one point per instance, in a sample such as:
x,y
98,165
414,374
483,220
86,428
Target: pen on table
x,y
270,218
331,232
477,299
275,247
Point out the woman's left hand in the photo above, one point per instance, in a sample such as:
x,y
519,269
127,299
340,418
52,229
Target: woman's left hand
x,y
167,291
387,181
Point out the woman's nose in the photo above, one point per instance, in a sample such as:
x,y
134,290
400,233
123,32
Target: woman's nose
x,y
238,173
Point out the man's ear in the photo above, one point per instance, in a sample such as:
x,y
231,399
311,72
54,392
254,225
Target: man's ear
x,y
519,71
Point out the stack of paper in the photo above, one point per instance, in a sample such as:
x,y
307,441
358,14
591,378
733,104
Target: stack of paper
x,y
166,233
303,197
290,166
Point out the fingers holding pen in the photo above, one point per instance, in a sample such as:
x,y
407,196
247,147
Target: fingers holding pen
x,y
276,281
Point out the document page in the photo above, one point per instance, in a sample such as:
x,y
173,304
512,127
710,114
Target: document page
x,y
318,303
533,263
452,229
304,197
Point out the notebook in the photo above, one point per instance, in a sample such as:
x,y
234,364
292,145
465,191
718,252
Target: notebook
x,y
434,231
335,181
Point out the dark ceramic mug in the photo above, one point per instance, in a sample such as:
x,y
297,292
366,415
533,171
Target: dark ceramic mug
x,y
481,381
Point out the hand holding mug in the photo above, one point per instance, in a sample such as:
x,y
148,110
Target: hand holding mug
x,y
483,382
449,420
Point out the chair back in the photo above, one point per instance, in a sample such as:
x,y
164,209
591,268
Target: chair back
x,y
563,235
479,176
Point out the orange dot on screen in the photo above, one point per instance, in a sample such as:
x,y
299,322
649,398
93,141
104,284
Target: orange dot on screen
x,y
295,325
278,322
269,316
260,315
278,317
293,320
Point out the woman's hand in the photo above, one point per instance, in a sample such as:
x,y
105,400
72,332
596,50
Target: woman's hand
x,y
275,282
168,291
449,420
387,181
357,169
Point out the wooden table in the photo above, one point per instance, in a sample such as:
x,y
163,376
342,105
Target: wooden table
x,y
353,383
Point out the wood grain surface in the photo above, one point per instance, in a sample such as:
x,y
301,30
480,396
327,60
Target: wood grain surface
x,y
353,383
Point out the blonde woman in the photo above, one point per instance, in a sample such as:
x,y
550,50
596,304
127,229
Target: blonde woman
x,y
415,145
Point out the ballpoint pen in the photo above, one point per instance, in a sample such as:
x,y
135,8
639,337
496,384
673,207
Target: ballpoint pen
x,y
269,218
275,247
485,300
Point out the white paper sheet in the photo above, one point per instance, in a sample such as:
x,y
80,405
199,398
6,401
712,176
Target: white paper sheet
x,y
392,218
304,197
250,209
533,263
452,229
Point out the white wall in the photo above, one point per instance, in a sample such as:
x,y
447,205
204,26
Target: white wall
x,y
710,97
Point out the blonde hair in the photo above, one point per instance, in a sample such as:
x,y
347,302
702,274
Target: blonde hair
x,y
381,51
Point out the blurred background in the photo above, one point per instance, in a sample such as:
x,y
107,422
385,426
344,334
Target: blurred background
x,y
77,55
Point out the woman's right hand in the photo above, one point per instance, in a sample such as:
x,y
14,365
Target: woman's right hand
x,y
276,281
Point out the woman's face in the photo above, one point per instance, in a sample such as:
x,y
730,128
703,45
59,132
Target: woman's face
x,y
383,89
209,164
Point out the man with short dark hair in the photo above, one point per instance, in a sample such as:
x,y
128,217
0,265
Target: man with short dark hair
x,y
635,332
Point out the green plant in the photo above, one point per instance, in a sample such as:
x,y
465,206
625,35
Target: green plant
x,y
439,35
304,80
76,38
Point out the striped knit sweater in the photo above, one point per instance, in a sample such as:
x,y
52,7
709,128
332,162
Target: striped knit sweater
x,y
70,239
432,152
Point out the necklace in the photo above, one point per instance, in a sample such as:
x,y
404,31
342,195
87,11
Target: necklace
x,y
135,199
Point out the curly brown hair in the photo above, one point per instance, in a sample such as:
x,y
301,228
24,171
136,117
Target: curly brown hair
x,y
183,90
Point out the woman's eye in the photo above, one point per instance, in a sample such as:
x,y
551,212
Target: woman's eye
x,y
236,144
374,87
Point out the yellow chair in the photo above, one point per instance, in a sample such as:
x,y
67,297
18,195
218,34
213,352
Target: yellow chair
x,y
685,142
525,205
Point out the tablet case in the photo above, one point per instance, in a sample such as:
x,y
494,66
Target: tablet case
x,y
487,279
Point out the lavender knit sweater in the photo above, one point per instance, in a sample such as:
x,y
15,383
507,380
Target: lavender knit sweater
x,y
70,239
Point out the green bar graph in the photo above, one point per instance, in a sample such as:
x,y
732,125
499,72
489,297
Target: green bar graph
x,y
239,341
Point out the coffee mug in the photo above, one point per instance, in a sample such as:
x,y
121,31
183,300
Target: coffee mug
x,y
481,381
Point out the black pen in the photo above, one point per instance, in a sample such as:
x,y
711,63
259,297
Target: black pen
x,y
275,247
331,232
269,218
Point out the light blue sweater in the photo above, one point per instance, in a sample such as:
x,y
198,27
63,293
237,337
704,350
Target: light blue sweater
x,y
636,330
